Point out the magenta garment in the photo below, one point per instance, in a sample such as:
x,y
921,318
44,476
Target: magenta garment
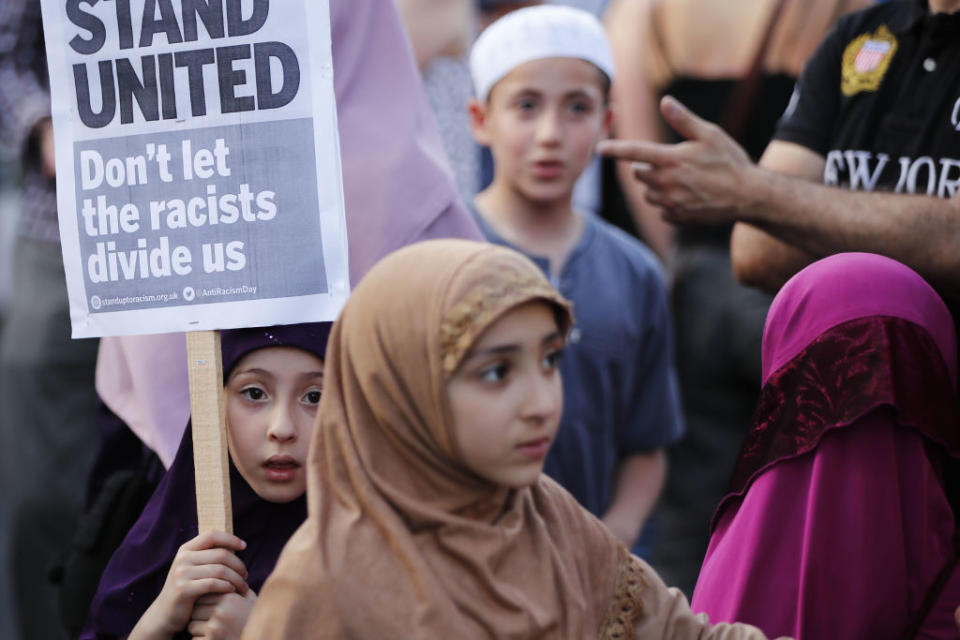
x,y
398,189
847,287
837,523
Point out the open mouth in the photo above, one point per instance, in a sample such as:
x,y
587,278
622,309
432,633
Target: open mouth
x,y
281,468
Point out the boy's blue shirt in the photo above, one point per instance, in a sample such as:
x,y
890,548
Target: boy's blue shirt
x,y
619,382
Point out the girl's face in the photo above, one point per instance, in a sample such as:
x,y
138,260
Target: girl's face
x,y
272,397
506,397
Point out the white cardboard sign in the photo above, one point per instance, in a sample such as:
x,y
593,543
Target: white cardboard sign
x,y
198,165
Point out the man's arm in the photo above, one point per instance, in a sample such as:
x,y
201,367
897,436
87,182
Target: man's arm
x,y
709,179
639,482
759,259
922,232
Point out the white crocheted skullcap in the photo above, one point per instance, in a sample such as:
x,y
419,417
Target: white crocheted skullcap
x,y
533,33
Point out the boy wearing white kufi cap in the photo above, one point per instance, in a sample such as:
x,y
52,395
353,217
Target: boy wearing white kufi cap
x,y
542,77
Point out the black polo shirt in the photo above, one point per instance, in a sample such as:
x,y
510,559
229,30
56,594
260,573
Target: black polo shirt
x,y
880,100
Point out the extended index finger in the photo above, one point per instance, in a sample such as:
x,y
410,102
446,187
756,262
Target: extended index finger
x,y
653,153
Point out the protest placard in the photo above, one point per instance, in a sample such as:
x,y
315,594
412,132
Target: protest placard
x,y
198,180
198,177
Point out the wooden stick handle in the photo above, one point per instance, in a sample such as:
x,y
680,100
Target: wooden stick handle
x,y
210,457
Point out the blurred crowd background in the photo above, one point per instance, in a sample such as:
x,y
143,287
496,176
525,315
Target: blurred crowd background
x,y
441,32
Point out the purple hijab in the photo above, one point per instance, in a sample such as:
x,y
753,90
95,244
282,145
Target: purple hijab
x,y
837,524
138,568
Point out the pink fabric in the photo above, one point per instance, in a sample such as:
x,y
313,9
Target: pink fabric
x,y
397,190
793,562
845,540
845,287
143,379
398,187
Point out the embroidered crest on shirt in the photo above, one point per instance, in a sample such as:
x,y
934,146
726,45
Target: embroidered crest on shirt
x,y
866,60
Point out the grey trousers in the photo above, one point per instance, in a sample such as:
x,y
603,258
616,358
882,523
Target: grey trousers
x,y
48,433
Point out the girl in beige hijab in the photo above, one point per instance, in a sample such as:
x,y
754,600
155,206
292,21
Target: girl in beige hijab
x,y
428,514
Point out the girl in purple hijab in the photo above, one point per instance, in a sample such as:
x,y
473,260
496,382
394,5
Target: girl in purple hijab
x,y
838,523
166,581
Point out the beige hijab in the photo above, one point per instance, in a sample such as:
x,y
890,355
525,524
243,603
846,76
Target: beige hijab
x,y
402,540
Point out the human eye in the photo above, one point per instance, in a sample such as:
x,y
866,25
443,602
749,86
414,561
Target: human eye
x,y
580,107
253,393
495,373
525,104
552,359
312,397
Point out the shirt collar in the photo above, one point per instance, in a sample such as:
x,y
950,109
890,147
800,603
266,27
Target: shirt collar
x,y
910,17
586,237
918,12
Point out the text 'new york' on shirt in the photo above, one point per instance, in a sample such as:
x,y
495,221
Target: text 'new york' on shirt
x,y
880,100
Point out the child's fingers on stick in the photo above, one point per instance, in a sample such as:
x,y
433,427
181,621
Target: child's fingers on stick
x,y
202,586
188,576
210,539
209,599
215,557
197,628
203,611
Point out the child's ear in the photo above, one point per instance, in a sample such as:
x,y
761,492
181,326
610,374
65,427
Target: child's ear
x,y
478,121
608,120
